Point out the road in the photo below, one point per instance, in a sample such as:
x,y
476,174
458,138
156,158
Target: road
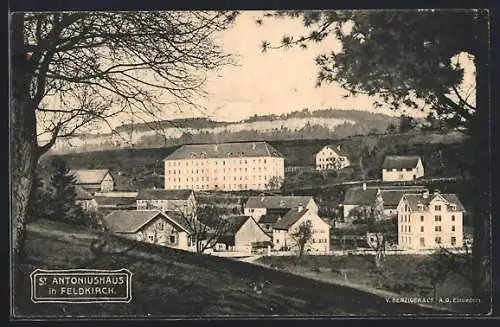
x,y
360,182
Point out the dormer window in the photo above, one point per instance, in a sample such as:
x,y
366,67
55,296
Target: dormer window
x,y
192,155
203,155
453,206
228,154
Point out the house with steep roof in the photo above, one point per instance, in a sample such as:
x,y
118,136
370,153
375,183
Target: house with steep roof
x,y
85,199
242,234
332,157
402,168
286,226
224,167
151,226
167,200
94,180
367,196
430,221
258,206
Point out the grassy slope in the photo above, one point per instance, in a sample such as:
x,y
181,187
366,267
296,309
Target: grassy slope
x,y
169,282
402,276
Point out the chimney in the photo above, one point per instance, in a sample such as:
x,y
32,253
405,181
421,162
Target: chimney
x,y
300,207
436,192
338,147
364,186
253,146
425,195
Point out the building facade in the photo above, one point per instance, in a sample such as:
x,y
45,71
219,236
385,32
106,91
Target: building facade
x,y
242,234
151,226
84,199
224,167
430,221
402,168
332,158
94,180
285,228
183,201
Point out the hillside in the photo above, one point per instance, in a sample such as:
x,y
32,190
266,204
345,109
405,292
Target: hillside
x,y
142,168
174,283
305,124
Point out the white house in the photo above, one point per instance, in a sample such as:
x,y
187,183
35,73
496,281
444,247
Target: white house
x,y
94,180
242,234
402,168
284,229
258,206
225,167
429,221
332,157
167,200
151,226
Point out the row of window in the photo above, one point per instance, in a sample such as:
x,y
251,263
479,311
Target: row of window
x,y
321,240
400,169
222,187
204,162
437,240
193,179
407,218
203,171
407,229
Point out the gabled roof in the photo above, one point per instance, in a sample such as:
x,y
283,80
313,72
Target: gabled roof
x,y
89,176
131,221
414,200
391,196
233,225
225,150
399,162
114,200
289,219
269,219
334,147
358,196
81,194
155,194
276,202
178,219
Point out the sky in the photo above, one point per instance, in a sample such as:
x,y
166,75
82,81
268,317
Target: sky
x,y
275,82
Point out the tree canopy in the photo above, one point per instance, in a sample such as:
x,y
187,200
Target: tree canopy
x,y
406,58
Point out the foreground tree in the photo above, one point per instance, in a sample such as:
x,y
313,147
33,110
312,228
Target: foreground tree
x,y
206,225
71,70
302,236
412,58
62,200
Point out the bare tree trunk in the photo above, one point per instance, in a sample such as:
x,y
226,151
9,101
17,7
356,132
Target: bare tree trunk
x,y
24,147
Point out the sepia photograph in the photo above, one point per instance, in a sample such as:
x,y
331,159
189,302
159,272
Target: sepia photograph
x,y
260,164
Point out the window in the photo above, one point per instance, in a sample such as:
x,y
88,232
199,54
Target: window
x,y
437,228
409,229
437,218
161,226
453,218
421,218
422,241
453,228
151,238
421,229
172,238
453,240
437,208
268,226
438,240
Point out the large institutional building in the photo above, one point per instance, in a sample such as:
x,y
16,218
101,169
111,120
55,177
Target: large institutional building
x,y
225,167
